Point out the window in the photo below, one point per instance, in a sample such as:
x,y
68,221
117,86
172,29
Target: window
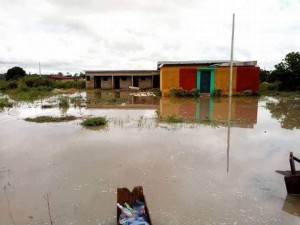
x,y
124,78
88,78
105,78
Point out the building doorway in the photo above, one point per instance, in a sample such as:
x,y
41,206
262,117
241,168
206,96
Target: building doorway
x,y
155,82
205,80
135,81
97,82
117,82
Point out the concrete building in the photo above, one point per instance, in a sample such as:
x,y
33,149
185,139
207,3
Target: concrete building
x,y
206,76
122,79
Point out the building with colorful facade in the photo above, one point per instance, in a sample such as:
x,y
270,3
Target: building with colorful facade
x,y
207,76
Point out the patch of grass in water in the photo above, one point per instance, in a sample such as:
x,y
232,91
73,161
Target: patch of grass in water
x,y
94,121
63,102
50,119
5,103
116,101
173,119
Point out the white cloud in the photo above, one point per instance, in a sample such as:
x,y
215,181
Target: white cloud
x,y
70,36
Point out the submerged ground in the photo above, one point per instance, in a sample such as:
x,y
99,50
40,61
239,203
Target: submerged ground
x,y
205,170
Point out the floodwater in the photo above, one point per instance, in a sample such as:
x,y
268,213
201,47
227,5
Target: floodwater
x,y
207,170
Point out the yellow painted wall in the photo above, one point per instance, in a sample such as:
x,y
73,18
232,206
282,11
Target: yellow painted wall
x,y
169,78
222,79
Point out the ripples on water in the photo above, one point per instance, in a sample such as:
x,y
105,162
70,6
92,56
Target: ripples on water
x,y
197,171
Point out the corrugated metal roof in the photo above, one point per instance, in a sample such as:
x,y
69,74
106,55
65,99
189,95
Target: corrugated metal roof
x,y
121,71
206,62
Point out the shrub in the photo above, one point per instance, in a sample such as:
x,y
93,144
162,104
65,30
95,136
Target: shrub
x,y
174,92
156,92
94,121
173,119
178,92
3,85
12,84
5,103
63,102
195,92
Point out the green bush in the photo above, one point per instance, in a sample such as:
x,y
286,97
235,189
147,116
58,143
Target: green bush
x,y
195,92
37,81
269,87
3,85
69,84
173,119
94,121
63,102
156,92
174,92
12,84
178,92
5,103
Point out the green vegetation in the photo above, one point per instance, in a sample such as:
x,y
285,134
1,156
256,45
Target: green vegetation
x,y
33,87
15,73
286,75
50,119
5,103
156,92
77,101
94,121
172,119
115,101
286,111
179,92
63,102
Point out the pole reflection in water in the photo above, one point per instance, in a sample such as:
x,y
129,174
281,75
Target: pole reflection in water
x,y
228,132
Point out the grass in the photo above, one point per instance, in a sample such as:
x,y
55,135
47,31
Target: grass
x,y
94,121
172,119
28,95
115,101
63,102
50,119
5,103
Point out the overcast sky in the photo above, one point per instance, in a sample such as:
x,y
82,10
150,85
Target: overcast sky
x,y
76,35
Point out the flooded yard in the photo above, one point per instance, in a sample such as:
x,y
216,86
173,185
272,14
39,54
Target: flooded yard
x,y
205,169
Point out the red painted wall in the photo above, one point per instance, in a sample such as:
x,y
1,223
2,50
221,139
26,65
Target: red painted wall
x,y
187,78
247,78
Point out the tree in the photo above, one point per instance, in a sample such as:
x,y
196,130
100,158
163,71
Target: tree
x,y
288,71
14,73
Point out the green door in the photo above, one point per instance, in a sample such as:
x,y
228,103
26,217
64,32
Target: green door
x,y
205,80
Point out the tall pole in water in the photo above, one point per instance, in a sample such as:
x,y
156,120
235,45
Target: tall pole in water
x,y
231,57
40,68
230,94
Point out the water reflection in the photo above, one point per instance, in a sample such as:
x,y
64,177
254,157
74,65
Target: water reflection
x,y
292,205
183,171
108,99
214,111
287,111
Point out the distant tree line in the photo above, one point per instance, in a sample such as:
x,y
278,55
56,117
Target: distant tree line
x,y
286,73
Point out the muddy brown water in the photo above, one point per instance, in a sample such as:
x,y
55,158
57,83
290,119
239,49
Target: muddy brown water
x,y
197,172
